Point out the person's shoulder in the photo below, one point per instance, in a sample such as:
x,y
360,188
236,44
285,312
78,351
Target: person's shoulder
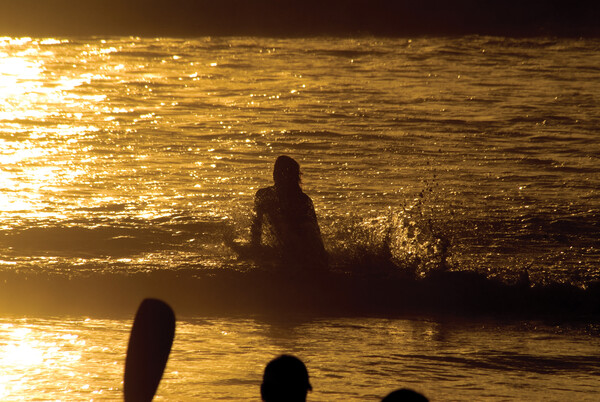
x,y
261,192
306,198
265,195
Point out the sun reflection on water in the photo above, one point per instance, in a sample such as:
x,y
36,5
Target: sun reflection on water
x,y
58,359
26,353
43,115
17,76
21,351
36,87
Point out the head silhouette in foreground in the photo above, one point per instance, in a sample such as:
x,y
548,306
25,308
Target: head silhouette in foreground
x,y
404,395
285,379
285,219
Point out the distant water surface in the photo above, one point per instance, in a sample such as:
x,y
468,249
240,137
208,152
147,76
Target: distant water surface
x,y
137,155
137,149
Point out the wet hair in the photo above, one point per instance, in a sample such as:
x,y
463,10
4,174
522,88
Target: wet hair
x,y
404,395
286,172
285,379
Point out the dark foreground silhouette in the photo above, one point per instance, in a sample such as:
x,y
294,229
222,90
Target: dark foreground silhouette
x,y
148,350
285,219
285,380
404,395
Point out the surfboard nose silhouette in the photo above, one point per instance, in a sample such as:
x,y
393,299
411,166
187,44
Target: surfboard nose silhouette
x,y
149,347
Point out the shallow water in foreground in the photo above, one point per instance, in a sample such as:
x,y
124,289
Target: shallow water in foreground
x,y
223,358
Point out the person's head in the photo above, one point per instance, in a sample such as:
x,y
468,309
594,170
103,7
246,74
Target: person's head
x,y
286,172
285,379
404,395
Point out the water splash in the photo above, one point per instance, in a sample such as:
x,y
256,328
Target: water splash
x,y
406,240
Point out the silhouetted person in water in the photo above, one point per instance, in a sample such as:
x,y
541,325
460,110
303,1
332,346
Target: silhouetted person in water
x,y
285,380
289,218
404,395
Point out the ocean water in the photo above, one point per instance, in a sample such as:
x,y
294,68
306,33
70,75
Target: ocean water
x,y
126,161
